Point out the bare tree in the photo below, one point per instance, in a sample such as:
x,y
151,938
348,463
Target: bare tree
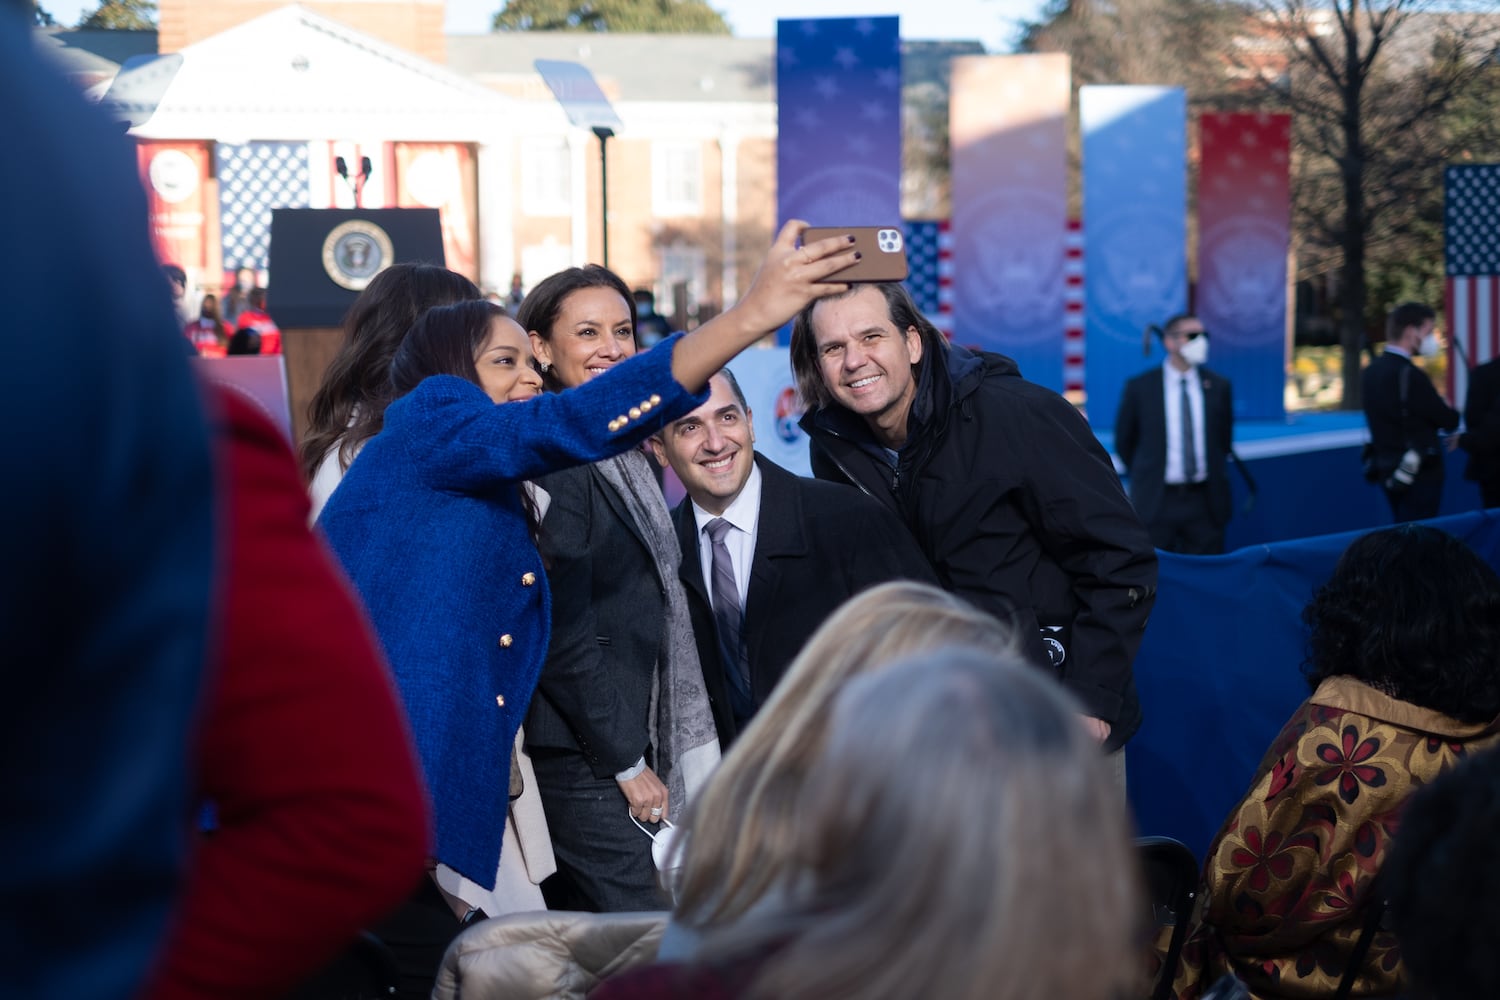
x,y
1173,42
1370,84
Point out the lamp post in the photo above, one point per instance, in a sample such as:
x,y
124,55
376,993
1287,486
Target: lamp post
x,y
605,133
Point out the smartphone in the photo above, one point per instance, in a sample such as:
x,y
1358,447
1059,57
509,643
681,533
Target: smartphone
x,y
883,248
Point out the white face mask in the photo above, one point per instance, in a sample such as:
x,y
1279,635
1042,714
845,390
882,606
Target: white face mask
x,y
1195,351
666,852
1431,346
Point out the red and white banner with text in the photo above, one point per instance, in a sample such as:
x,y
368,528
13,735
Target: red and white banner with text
x,y
183,203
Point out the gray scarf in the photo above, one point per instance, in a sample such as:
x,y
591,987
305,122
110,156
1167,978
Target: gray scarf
x,y
681,723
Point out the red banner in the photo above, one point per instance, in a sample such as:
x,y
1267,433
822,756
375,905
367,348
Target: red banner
x,y
1244,231
183,203
442,175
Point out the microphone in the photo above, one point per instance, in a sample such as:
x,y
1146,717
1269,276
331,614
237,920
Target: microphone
x,y
342,167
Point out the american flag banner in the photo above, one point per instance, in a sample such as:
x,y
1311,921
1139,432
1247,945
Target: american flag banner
x,y
1471,258
253,179
1073,350
929,258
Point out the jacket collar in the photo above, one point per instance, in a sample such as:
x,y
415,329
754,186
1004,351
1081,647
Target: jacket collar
x,y
781,534
948,374
1352,695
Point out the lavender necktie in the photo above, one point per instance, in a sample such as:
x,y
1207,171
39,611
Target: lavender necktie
x,y
728,615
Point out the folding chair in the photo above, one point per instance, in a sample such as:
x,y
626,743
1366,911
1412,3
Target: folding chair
x,y
1171,879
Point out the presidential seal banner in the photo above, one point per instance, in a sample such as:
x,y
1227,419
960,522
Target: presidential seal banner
x,y
1135,214
1008,125
1244,234
838,151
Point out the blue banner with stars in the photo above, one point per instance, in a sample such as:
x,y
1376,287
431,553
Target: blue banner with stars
x,y
838,94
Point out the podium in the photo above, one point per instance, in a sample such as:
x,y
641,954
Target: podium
x,y
320,260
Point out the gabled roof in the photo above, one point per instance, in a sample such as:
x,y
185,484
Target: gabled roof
x,y
93,52
630,67
294,74
664,67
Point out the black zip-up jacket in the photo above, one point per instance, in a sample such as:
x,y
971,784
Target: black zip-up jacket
x,y
1019,509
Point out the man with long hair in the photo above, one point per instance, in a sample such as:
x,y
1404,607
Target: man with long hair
x,y
1006,489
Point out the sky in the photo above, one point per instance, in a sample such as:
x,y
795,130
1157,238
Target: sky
x,y
993,22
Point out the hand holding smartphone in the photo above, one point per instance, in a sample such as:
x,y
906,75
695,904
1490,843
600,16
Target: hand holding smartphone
x,y
882,248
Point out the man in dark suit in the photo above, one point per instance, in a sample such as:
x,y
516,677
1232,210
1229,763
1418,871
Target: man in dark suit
x,y
1481,437
1174,432
1405,413
766,555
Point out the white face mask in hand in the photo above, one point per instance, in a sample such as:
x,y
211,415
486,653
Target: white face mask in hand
x,y
666,853
1195,351
1431,346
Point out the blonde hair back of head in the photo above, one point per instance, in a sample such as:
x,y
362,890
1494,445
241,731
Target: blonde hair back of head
x,y
743,824
959,835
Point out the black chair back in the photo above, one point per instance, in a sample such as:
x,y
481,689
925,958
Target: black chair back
x,y
1171,879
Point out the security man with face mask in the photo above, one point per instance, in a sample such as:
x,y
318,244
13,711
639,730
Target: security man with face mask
x,y
1174,432
1405,413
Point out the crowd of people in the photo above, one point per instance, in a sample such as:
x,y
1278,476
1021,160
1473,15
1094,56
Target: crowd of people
x,y
456,663
242,325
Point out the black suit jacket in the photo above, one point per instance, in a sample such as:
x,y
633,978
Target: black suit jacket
x,y
594,694
1141,440
1482,421
1426,413
817,544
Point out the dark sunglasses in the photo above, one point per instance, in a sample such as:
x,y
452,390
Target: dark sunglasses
x,y
1192,334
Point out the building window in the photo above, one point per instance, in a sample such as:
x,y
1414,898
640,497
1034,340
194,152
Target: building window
x,y
546,176
538,260
677,178
684,270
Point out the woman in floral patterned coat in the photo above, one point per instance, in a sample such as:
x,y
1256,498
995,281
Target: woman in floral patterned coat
x,y
1405,669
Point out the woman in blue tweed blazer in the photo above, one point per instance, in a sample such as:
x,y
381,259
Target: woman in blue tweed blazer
x,y
433,529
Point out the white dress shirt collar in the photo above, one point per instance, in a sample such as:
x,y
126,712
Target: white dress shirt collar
x,y
743,513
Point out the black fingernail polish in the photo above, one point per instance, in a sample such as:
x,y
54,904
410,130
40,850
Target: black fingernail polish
x,y
851,239
858,255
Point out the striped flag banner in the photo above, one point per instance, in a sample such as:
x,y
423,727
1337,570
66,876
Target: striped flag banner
x,y
1471,258
255,178
929,256
1073,350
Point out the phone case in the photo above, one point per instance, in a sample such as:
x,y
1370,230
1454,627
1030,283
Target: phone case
x,y
883,247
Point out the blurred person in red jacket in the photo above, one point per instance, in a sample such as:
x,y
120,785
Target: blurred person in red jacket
x,y
208,333
254,317
303,754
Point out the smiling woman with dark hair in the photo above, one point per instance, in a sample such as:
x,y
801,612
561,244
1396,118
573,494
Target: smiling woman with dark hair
x,y
432,527
1404,661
